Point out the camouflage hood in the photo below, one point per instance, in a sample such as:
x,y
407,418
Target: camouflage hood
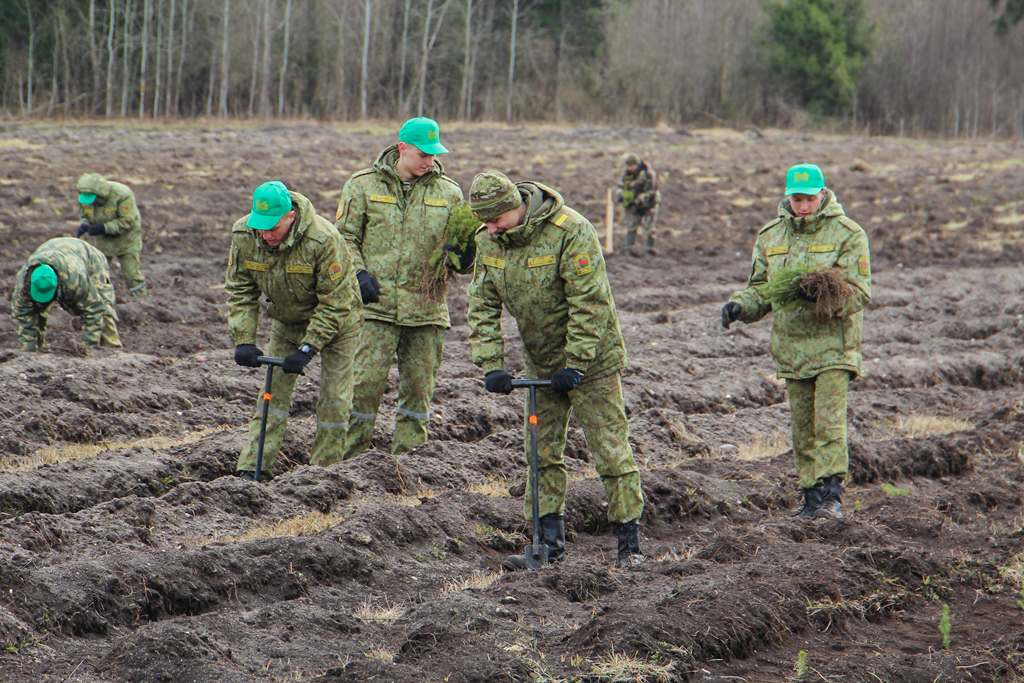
x,y
94,183
304,215
830,208
385,165
541,203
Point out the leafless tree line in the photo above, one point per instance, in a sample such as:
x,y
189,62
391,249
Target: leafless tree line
x,y
935,67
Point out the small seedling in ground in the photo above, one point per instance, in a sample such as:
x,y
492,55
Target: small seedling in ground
x,y
945,626
1020,603
801,663
892,490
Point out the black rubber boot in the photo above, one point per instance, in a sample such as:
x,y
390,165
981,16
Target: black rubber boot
x,y
552,534
831,502
812,501
629,554
630,239
552,546
649,243
250,475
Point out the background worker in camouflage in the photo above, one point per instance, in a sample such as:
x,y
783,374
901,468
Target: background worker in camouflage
x,y
393,216
638,193
542,261
284,251
74,274
817,358
109,214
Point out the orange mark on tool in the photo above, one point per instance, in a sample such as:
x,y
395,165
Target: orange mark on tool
x,y
533,419
266,397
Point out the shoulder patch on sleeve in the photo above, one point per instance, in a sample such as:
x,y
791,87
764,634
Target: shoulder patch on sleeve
x,y
341,209
771,224
560,218
335,270
850,224
582,264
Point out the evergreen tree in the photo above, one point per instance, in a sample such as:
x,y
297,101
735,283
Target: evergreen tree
x,y
815,51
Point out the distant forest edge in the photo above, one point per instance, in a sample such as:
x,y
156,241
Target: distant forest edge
x,y
915,67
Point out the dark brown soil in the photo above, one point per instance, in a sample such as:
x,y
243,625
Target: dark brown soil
x,y
127,566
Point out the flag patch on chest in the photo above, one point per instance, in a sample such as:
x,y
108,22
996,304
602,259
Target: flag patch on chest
x,y
583,264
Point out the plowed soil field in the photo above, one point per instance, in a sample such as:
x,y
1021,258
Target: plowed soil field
x,y
128,552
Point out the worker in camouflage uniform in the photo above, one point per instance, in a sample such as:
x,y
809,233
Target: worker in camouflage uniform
x,y
73,274
542,262
816,357
393,217
109,214
284,251
638,193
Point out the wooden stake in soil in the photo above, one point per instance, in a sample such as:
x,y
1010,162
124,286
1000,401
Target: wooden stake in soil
x,y
609,221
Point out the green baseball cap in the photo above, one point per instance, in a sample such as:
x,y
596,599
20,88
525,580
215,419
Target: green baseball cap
x,y
804,179
423,133
43,284
86,198
270,202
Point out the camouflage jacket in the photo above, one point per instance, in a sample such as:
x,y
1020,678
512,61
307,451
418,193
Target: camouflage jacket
x,y
83,289
550,274
116,211
639,189
801,345
307,278
392,229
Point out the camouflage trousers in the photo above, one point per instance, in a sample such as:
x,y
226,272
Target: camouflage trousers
x,y
419,357
332,408
132,273
641,226
601,410
818,409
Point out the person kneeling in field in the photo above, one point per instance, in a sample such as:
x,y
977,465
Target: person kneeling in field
x,y
542,261
75,275
812,268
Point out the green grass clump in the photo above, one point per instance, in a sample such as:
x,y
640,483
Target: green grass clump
x,y
459,237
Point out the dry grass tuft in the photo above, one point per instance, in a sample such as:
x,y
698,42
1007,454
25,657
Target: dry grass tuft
x,y
52,456
477,581
763,447
919,426
492,488
382,654
1014,570
619,668
312,523
683,554
372,612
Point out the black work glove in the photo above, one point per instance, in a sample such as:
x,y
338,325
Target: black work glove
x,y
730,313
246,355
498,382
97,229
369,289
566,380
295,363
463,259
83,228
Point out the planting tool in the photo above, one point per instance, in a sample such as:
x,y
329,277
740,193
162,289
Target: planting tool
x,y
270,363
538,555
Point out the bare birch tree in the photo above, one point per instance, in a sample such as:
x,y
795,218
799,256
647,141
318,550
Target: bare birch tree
x,y
284,58
511,59
222,107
